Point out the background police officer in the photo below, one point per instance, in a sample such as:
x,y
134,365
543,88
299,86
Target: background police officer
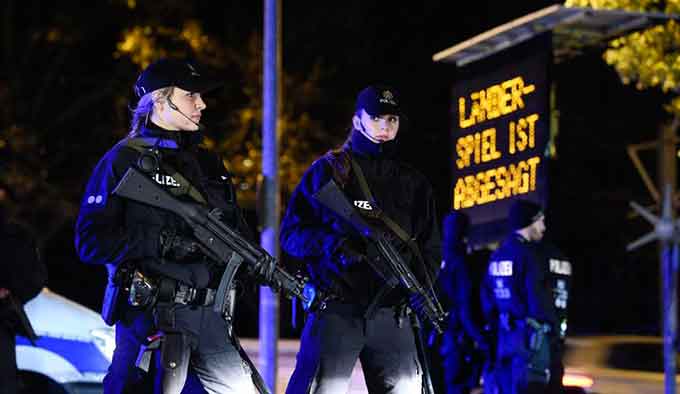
x,y
151,252
363,319
23,276
518,304
463,346
558,270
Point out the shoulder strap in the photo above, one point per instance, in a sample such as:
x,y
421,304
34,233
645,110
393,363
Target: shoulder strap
x,y
391,224
186,187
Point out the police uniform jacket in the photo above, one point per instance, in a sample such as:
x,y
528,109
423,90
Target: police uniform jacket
x,y
311,232
515,283
558,271
111,230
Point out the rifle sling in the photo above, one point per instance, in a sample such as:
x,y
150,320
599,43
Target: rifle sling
x,y
391,224
186,187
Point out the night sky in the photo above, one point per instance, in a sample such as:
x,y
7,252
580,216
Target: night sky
x,y
358,43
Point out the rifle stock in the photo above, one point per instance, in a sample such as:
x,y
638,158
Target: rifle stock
x,y
214,236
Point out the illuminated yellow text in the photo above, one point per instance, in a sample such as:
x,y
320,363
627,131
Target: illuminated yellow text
x,y
522,134
493,102
477,148
496,184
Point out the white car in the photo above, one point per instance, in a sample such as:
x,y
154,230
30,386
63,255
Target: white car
x,y
73,351
616,364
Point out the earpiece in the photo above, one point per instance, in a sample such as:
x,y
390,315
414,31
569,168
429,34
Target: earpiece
x,y
172,105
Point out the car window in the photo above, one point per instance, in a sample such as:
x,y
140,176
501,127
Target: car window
x,y
637,356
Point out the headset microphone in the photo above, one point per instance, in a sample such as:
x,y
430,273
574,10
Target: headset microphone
x,y
174,107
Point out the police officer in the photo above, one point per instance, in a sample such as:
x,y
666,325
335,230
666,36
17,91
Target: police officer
x,y
559,271
517,303
463,348
160,284
23,276
363,319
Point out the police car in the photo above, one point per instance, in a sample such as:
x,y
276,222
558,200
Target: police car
x,y
73,350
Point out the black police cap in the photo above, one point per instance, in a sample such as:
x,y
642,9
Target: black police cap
x,y
379,100
172,72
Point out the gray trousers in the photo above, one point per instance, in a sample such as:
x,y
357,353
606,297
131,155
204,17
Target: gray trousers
x,y
207,350
334,339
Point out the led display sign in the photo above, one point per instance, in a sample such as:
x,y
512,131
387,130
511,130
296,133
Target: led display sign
x,y
499,134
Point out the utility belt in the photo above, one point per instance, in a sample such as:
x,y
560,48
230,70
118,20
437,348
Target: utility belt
x,y
161,293
400,312
146,291
129,286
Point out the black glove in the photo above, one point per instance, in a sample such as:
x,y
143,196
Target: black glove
x,y
176,246
347,254
264,268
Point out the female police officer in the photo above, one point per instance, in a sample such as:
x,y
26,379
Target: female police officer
x,y
153,247
363,318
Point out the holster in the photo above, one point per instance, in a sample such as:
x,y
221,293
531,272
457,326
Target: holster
x,y
115,295
172,346
538,344
146,351
170,342
172,350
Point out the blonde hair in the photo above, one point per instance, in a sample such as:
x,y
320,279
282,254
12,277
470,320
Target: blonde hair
x,y
144,108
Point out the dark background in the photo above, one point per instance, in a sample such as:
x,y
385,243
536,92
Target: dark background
x,y
358,43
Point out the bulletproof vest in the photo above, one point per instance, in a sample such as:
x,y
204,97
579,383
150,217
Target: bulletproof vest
x,y
193,175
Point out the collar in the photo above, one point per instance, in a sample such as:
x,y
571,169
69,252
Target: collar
x,y
519,237
365,147
169,139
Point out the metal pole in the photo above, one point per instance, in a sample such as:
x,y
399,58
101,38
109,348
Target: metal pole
x,y
670,303
666,154
666,231
667,163
269,301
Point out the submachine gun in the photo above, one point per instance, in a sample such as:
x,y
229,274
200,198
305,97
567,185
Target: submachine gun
x,y
216,240
394,271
